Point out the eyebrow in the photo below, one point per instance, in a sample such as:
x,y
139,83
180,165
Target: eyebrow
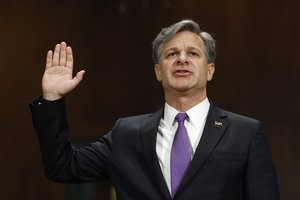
x,y
189,48
194,48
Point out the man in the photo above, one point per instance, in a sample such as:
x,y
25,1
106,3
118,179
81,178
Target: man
x,y
189,149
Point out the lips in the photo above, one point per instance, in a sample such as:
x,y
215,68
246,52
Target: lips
x,y
182,72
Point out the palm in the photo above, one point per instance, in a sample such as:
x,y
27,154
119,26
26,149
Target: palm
x,y
58,76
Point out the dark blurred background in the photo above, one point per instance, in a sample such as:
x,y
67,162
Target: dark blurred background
x,y
257,74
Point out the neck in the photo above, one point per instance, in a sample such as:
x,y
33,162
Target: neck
x,y
183,102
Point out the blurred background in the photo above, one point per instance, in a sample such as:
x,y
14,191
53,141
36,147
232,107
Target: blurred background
x,y
257,74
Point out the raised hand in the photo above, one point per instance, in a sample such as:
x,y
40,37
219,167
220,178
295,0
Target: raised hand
x,y
58,76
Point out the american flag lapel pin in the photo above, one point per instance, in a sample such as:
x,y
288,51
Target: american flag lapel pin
x,y
218,124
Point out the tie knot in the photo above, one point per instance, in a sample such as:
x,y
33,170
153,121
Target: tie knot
x,y
180,117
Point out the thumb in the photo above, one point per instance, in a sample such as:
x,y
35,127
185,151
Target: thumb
x,y
79,76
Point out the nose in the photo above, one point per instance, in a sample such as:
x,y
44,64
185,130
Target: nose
x,y
182,59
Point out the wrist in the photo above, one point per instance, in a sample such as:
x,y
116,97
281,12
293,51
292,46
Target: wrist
x,y
43,101
51,97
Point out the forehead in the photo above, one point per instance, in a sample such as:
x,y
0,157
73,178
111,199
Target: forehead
x,y
185,39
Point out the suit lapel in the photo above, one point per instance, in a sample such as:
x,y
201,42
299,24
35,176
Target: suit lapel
x,y
149,129
214,129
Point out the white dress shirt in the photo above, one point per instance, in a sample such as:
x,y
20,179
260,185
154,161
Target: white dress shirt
x,y
167,128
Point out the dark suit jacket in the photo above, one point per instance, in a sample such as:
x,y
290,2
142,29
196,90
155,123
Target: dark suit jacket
x,y
232,160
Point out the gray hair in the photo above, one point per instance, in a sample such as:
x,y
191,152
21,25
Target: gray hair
x,y
185,25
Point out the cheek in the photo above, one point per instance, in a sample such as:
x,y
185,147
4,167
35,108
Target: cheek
x,y
163,76
164,72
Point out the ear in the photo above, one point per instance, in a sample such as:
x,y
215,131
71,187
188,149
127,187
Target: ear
x,y
157,70
210,71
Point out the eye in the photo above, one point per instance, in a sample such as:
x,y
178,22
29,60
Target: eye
x,y
193,54
171,54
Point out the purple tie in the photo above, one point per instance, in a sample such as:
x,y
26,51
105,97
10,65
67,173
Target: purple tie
x,y
180,153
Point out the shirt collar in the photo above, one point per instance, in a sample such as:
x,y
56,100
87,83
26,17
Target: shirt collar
x,y
196,114
169,115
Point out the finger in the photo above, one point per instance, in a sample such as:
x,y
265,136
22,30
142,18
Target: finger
x,y
49,59
55,60
69,62
78,77
62,55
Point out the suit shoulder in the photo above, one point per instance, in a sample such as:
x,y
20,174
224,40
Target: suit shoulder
x,y
238,118
137,121
244,125
136,117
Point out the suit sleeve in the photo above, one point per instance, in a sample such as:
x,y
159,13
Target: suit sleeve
x,y
62,161
261,181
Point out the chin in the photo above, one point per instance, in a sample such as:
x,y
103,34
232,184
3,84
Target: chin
x,y
182,89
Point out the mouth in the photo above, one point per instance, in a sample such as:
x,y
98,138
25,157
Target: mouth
x,y
182,73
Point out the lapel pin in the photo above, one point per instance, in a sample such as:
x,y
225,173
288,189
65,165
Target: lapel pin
x,y
218,124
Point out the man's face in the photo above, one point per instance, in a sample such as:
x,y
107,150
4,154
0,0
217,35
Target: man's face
x,y
183,66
